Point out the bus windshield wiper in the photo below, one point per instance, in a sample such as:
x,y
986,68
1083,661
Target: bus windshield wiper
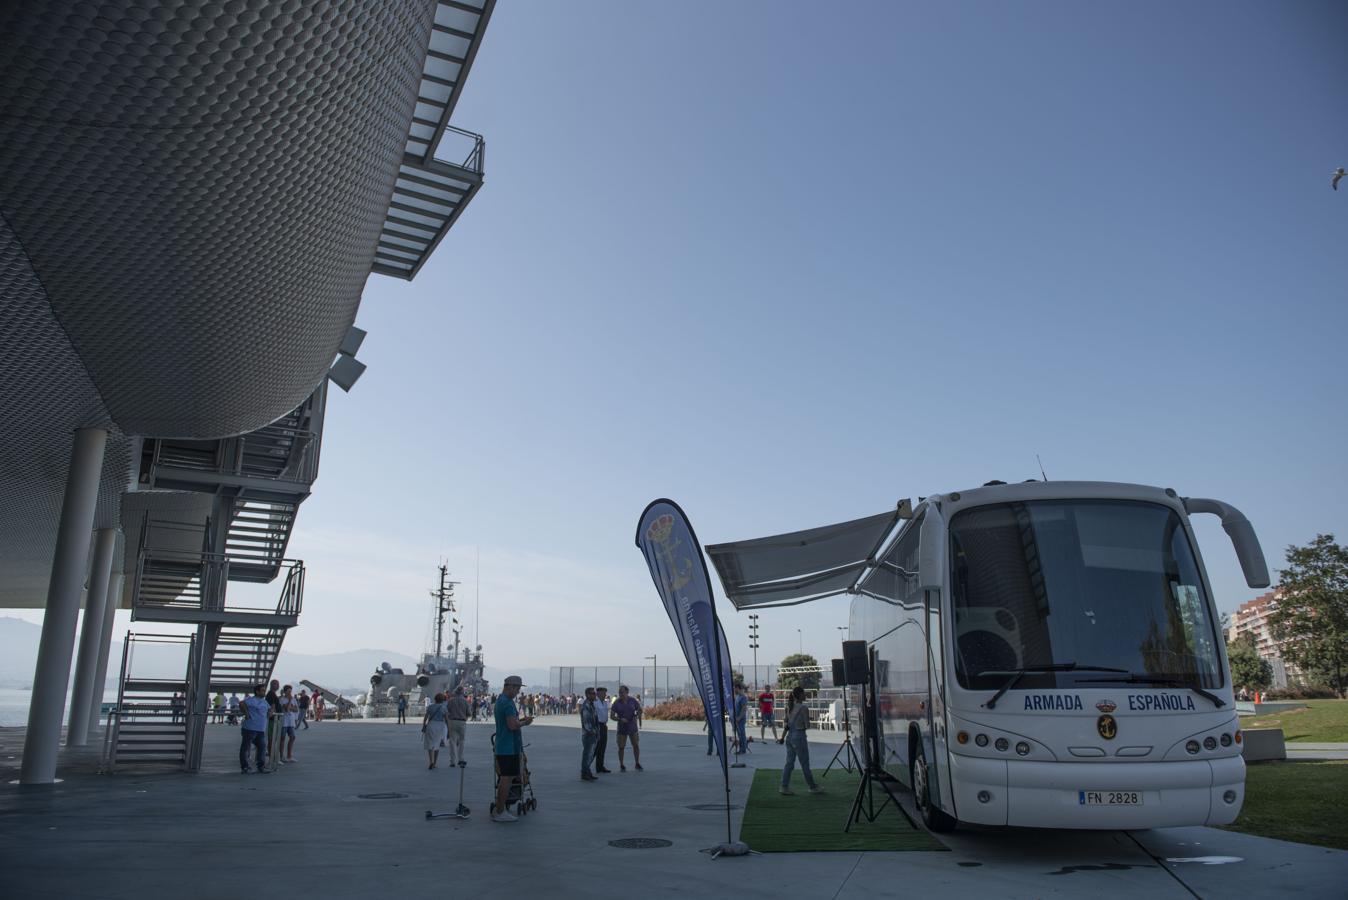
x,y
1134,678
1018,674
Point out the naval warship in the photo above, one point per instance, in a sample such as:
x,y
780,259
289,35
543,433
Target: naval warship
x,y
446,667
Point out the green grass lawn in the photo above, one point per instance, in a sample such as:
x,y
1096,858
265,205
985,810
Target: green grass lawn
x,y
1305,802
776,824
1322,721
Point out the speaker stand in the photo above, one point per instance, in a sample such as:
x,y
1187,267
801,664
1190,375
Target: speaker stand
x,y
846,754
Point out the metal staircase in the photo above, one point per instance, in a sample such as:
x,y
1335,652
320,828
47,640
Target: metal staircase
x,y
258,480
150,723
243,658
256,539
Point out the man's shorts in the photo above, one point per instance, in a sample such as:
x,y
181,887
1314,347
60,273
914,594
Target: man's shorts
x,y
767,719
634,737
508,765
288,731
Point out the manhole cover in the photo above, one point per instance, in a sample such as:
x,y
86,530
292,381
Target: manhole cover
x,y
719,807
640,843
390,795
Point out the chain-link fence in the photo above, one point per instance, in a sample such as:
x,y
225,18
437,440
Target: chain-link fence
x,y
653,684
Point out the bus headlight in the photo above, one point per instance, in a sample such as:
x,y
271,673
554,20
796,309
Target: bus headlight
x,y
1022,748
1210,742
1226,740
1229,797
1192,746
981,740
1002,744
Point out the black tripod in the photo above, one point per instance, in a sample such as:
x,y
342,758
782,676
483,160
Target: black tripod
x,y
872,772
864,802
847,754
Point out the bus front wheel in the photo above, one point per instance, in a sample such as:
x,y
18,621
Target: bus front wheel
x,y
935,819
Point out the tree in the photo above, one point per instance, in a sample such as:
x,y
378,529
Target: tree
x,y
737,680
1312,614
1248,669
808,680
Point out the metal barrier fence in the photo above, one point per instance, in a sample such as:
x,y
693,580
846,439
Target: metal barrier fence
x,y
653,684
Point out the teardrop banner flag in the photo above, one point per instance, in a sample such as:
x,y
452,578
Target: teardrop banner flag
x,y
680,575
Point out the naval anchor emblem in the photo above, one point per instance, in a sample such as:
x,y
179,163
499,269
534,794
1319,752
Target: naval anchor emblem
x,y
677,572
1107,727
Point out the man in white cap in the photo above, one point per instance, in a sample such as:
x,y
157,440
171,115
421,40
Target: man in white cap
x,y
509,743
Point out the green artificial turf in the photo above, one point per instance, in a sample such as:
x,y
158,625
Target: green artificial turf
x,y
1323,721
1306,802
787,824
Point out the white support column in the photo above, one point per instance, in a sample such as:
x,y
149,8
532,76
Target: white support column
x,y
91,634
104,646
52,674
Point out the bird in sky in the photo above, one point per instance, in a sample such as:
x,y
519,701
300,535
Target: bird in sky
x,y
1338,174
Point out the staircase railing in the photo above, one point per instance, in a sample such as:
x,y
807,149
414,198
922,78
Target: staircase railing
x,y
198,683
287,450
292,593
182,580
110,734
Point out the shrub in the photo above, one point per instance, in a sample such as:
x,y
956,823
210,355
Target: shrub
x,y
684,709
1301,692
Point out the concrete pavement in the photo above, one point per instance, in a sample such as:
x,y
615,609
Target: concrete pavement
x,y
147,835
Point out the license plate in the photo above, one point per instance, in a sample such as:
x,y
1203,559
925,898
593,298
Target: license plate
x,y
1110,798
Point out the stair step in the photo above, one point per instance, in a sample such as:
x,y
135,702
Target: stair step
x,y
142,740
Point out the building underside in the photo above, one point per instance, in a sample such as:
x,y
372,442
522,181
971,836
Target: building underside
x,y
192,196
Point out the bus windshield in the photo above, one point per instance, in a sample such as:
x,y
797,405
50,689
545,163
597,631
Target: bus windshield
x,y
1100,583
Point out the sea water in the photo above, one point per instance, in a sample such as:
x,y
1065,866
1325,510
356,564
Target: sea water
x,y
14,704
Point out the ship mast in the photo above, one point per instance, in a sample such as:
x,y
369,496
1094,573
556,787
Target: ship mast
x,y
444,603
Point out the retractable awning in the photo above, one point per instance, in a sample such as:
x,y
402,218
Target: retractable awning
x,y
792,568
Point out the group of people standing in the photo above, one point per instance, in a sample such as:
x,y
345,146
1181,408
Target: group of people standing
x,y
444,724
269,718
595,714
226,711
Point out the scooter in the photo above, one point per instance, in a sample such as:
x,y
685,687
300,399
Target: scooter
x,y
461,811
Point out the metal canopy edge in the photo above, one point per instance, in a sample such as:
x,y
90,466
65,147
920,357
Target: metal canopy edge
x,y
800,566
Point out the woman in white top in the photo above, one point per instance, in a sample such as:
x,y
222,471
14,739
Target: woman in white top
x,y
797,745
434,728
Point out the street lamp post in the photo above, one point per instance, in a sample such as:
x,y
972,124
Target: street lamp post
x,y
655,670
800,641
753,643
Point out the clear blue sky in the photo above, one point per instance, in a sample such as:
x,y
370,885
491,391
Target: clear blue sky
x,y
787,263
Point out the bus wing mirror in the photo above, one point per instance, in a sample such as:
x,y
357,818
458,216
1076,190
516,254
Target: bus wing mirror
x,y
931,551
1242,535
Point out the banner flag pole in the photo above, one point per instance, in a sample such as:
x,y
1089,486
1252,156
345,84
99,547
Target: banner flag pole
x,y
674,557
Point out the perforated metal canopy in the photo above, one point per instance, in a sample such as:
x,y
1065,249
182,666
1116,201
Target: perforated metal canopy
x,y
799,566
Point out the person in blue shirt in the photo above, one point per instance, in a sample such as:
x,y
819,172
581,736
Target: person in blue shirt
x,y
256,713
509,742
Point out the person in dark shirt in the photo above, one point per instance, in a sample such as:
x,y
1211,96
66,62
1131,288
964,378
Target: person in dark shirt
x,y
273,699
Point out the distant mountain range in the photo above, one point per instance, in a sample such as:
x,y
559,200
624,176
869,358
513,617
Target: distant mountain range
x,y
347,672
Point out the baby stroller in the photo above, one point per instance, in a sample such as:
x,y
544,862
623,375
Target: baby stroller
x,y
521,795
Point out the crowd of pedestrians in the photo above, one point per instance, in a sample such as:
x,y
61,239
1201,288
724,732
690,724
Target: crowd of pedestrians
x,y
268,720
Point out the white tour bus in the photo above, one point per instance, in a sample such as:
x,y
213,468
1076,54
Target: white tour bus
x,y
1046,654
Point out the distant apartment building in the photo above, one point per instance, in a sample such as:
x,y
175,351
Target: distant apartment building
x,y
1252,618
